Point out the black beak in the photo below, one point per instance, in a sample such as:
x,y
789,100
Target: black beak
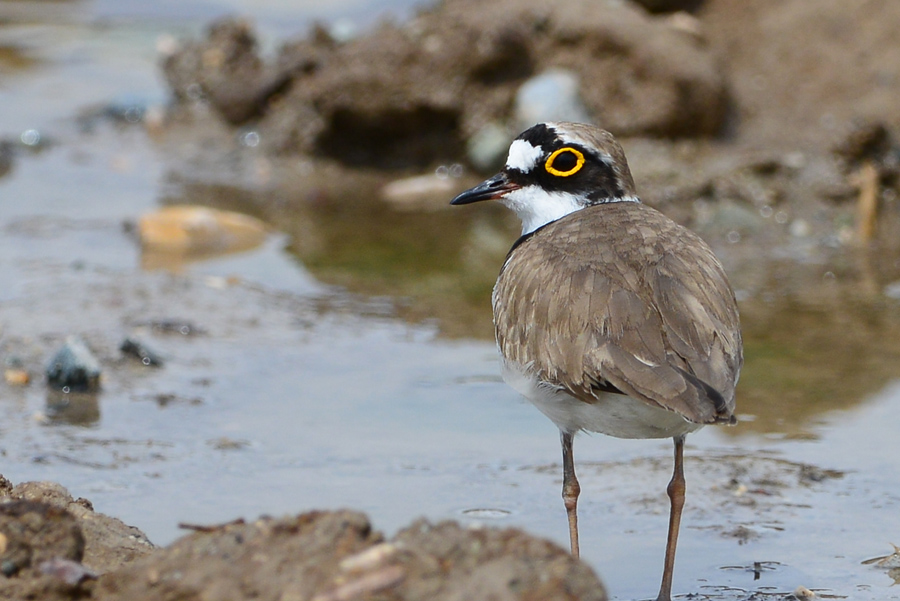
x,y
489,189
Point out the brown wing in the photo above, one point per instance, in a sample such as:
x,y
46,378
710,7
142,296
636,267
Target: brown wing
x,y
619,296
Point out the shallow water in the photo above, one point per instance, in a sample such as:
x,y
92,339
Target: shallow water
x,y
354,374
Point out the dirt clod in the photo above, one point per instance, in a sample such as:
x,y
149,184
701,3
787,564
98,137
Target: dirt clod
x,y
411,94
107,542
334,556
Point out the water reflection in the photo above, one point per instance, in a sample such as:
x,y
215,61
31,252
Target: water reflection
x,y
815,344
73,408
819,336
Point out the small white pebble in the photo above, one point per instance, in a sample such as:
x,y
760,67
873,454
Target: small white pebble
x,y
794,160
368,559
215,282
800,228
167,45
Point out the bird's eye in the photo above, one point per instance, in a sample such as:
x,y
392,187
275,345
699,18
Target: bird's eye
x,y
564,162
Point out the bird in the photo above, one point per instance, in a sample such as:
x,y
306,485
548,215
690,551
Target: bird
x,y
609,316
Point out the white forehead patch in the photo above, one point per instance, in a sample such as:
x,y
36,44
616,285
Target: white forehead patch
x,y
523,156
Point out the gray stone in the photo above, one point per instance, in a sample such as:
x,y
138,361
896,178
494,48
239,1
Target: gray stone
x,y
74,366
551,96
486,150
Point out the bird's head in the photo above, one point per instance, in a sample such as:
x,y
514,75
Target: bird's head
x,y
554,169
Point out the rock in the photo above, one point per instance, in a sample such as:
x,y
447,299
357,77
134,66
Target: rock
x,y
16,376
413,95
486,149
447,561
801,593
639,75
61,549
74,366
420,191
138,349
551,96
892,290
187,229
108,542
290,558
49,493
730,216
332,556
128,109
866,140
800,228
183,327
70,572
35,532
226,71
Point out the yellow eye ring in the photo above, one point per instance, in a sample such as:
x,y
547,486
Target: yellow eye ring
x,y
579,163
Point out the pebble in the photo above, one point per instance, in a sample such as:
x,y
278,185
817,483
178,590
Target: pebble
x,y
69,571
736,217
370,558
803,594
486,150
138,349
800,228
74,366
16,377
195,229
892,290
414,192
551,96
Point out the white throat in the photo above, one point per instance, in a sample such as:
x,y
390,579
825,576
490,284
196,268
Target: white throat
x,y
536,207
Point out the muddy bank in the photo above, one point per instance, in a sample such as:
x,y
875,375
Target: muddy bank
x,y
54,547
411,94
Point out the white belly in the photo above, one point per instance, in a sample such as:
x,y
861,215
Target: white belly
x,y
616,415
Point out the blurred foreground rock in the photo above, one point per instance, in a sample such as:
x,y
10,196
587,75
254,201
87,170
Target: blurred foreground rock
x,y
412,94
52,546
331,556
61,549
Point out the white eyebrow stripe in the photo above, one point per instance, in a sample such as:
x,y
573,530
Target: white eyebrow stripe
x,y
562,135
523,156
